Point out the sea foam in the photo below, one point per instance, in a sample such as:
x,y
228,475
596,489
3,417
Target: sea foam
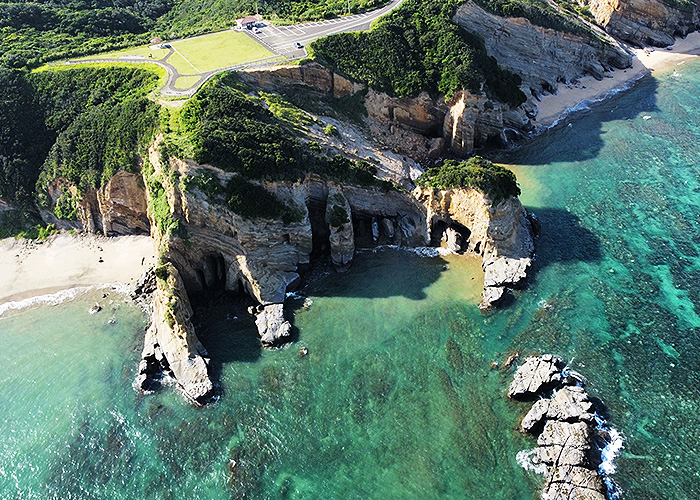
x,y
56,298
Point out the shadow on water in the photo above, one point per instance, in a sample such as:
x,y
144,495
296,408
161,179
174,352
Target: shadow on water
x,y
227,331
562,238
582,137
381,274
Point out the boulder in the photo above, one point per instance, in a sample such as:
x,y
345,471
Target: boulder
x,y
537,374
570,403
272,326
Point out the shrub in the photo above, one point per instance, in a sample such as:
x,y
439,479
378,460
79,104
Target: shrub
x,y
495,181
338,217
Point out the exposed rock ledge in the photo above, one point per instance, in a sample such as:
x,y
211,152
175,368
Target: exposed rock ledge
x,y
571,437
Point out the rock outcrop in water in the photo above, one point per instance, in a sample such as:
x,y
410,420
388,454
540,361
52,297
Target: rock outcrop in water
x,y
501,233
570,437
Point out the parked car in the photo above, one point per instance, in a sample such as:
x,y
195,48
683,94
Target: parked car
x,y
256,31
260,24
298,45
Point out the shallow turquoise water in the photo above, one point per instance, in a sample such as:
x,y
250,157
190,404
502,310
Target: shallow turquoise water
x,y
396,398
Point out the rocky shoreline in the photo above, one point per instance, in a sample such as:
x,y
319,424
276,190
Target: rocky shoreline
x,y
572,438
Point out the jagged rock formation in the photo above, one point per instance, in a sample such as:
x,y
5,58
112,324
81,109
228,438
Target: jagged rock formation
x,y
341,237
541,56
537,374
262,257
171,346
422,127
501,234
569,442
643,22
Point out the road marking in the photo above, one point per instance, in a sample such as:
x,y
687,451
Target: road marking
x,y
188,61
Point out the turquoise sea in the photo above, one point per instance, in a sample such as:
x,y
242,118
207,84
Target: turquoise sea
x,y
396,398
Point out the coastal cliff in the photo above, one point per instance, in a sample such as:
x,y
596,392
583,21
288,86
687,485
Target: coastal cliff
x,y
646,22
542,57
171,346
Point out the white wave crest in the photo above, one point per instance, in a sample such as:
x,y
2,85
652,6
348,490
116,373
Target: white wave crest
x,y
524,458
587,103
53,299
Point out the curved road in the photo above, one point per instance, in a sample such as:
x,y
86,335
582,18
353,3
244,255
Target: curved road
x,y
281,41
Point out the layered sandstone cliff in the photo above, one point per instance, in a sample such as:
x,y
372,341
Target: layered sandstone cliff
x,y
646,22
542,57
171,346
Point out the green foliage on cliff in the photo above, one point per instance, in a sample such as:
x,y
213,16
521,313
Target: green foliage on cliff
x,y
24,137
495,181
225,128
82,124
418,47
253,201
338,216
39,31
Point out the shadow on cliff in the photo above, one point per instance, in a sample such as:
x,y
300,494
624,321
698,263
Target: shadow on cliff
x,y
562,238
384,273
582,137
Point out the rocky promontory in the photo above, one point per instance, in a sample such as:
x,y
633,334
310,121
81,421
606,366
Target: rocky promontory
x,y
501,233
573,442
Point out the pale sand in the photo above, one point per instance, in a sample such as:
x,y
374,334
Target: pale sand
x,y
645,61
29,269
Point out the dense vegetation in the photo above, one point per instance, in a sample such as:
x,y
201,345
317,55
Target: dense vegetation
x,y
81,124
34,32
417,47
495,181
226,128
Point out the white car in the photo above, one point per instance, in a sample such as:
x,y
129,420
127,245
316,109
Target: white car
x,y
256,31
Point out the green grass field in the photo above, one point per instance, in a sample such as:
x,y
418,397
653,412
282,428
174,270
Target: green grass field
x,y
185,82
217,50
143,51
154,68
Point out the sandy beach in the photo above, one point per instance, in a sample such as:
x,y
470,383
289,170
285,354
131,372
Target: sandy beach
x,y
645,61
29,269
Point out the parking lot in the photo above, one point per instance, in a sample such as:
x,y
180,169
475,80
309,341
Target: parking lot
x,y
282,39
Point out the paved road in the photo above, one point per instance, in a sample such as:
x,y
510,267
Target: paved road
x,y
280,40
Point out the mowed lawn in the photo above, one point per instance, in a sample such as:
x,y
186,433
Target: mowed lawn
x,y
217,50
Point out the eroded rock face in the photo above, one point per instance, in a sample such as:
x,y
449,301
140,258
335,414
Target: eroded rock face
x,y
309,76
122,203
171,344
117,208
643,22
541,56
342,237
501,234
272,326
413,125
